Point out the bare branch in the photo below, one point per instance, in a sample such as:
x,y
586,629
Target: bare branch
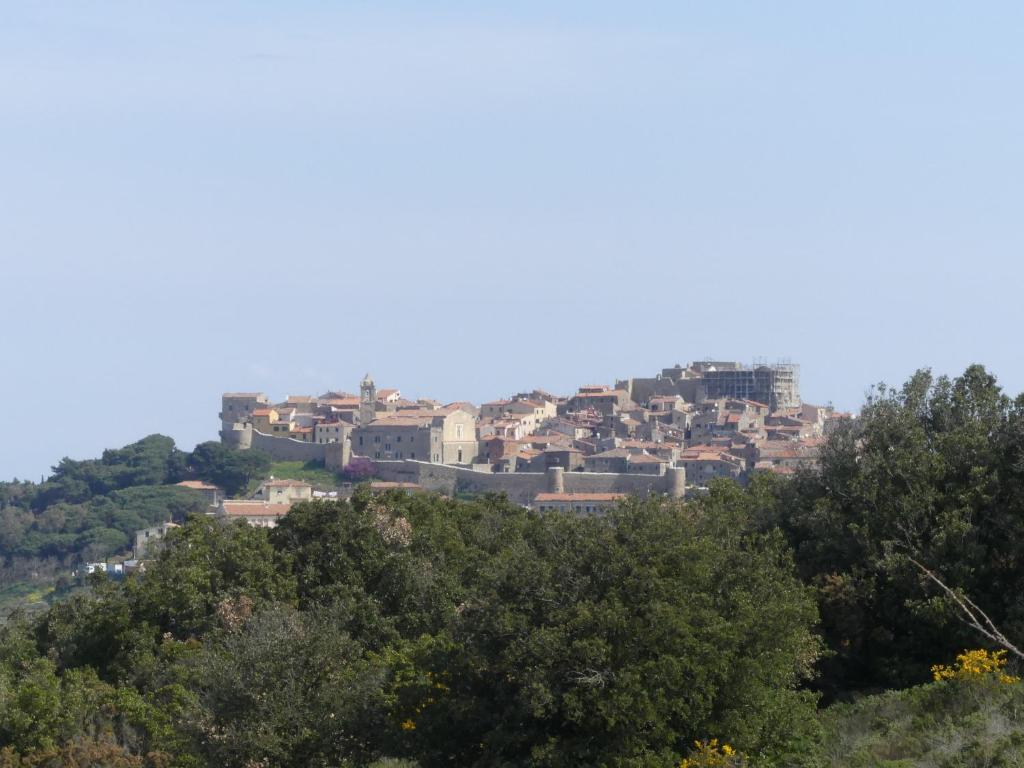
x,y
973,616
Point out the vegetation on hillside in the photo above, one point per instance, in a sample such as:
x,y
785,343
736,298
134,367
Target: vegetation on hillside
x,y
788,623
310,472
88,510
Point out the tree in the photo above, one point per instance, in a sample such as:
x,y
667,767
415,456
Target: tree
x,y
231,469
932,470
618,640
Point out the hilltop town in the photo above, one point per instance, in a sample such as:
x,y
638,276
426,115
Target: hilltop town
x,y
666,434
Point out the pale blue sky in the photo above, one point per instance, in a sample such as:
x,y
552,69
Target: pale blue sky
x,y
467,200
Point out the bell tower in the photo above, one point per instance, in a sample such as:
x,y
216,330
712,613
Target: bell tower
x,y
367,400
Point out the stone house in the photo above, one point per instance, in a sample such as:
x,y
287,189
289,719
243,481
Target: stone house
x,y
605,402
494,409
439,436
705,463
261,514
149,540
212,493
331,431
584,503
238,407
283,491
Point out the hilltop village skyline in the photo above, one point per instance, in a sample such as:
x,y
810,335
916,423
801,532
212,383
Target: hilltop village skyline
x,y
665,433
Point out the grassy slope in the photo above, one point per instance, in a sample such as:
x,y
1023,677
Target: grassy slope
x,y
940,725
30,596
320,478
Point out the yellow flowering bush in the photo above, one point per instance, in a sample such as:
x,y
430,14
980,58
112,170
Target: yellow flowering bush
x,y
976,665
711,754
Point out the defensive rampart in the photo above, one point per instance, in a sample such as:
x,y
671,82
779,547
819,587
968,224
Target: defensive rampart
x,y
522,487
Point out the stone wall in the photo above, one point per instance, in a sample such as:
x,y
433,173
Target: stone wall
x,y
522,487
287,449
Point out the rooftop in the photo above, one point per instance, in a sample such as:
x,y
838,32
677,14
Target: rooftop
x,y
571,497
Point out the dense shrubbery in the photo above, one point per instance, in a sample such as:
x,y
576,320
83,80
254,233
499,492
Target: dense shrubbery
x,y
935,471
88,510
414,630
443,632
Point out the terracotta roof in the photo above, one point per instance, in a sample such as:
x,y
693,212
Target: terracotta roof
x,y
262,411
613,453
339,402
570,497
643,458
606,393
197,485
649,444
250,508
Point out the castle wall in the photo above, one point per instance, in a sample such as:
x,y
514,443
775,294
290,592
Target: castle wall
x,y
522,487
287,449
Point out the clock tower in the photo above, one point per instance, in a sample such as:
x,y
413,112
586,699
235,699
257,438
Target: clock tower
x,y
367,400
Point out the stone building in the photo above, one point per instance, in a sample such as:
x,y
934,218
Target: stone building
x,y
439,435
148,541
238,407
261,514
580,503
212,493
283,491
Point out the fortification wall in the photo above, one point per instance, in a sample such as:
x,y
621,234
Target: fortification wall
x,y
237,435
522,487
287,449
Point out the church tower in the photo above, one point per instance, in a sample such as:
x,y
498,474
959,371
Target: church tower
x,y
367,400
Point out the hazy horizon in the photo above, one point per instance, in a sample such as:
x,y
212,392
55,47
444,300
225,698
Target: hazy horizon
x,y
469,202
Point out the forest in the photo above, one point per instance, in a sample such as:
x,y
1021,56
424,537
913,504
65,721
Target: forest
x,y
810,621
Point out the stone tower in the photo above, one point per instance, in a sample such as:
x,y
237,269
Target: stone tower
x,y
367,400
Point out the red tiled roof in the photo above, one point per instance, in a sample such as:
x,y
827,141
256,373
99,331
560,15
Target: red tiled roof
x,y
250,508
570,497
197,485
643,458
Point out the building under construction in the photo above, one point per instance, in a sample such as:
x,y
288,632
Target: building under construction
x,y
776,385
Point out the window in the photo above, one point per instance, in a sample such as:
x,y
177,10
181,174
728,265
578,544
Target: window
x,y
460,456
412,455
360,439
387,446
376,455
458,431
399,439
376,438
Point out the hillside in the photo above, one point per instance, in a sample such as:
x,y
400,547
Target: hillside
x,y
88,510
784,623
